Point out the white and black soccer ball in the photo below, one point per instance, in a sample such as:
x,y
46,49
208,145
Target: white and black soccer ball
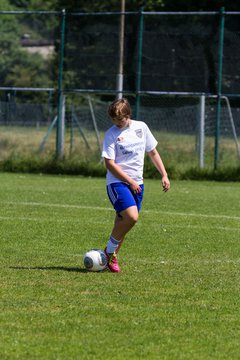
x,y
95,260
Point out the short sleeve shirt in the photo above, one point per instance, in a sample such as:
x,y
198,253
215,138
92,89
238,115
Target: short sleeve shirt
x,y
127,148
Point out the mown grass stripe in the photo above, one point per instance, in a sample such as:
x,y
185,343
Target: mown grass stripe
x,y
162,226
171,213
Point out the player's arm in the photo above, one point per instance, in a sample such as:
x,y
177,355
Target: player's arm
x,y
157,161
116,170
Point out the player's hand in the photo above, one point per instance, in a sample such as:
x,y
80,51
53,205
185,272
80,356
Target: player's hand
x,y
135,187
165,183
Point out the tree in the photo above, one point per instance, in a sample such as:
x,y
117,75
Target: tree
x,y
18,68
149,5
91,44
31,4
201,5
8,44
103,6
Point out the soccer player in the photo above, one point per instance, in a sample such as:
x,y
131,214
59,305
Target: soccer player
x,y
124,147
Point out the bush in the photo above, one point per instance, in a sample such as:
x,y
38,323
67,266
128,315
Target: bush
x,y
221,174
53,166
74,166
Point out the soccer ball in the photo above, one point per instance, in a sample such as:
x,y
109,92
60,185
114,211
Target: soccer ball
x,y
95,260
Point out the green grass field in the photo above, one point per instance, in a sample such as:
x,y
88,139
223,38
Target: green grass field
x,y
178,294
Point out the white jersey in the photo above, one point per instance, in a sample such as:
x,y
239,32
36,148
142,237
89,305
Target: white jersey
x,y
127,148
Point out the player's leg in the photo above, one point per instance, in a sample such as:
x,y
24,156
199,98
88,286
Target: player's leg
x,y
123,224
124,221
138,200
127,207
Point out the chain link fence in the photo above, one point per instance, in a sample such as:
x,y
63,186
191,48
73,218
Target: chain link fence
x,y
170,61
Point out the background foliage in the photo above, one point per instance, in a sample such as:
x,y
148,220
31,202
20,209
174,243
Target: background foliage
x,y
149,5
17,67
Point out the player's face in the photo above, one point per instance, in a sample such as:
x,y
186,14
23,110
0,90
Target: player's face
x,y
121,122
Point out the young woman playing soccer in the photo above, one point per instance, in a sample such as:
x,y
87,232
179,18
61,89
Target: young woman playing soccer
x,y
124,147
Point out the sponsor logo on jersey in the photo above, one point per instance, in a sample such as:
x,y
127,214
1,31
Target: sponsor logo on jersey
x,y
120,139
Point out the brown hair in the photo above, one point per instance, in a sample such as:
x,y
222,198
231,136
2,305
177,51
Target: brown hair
x,y
119,109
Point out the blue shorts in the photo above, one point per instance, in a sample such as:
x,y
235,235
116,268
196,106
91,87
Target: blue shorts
x,y
122,197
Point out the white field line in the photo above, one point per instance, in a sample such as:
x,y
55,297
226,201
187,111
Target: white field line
x,y
155,261
194,261
46,219
173,213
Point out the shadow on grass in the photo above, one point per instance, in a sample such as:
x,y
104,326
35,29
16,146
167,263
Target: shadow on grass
x,y
55,268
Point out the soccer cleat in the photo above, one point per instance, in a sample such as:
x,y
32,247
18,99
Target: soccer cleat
x,y
112,262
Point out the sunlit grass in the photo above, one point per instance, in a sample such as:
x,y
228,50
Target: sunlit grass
x,y
178,151
178,294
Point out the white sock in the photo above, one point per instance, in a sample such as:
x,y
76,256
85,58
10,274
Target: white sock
x,y
112,245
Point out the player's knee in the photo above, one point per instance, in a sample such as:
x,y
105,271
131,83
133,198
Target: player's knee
x,y
130,216
133,218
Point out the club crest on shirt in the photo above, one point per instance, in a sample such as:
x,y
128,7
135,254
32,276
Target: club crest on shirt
x,y
139,133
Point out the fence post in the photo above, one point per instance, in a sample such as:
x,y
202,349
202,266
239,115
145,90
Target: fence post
x,y
121,52
201,137
60,120
139,64
219,87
